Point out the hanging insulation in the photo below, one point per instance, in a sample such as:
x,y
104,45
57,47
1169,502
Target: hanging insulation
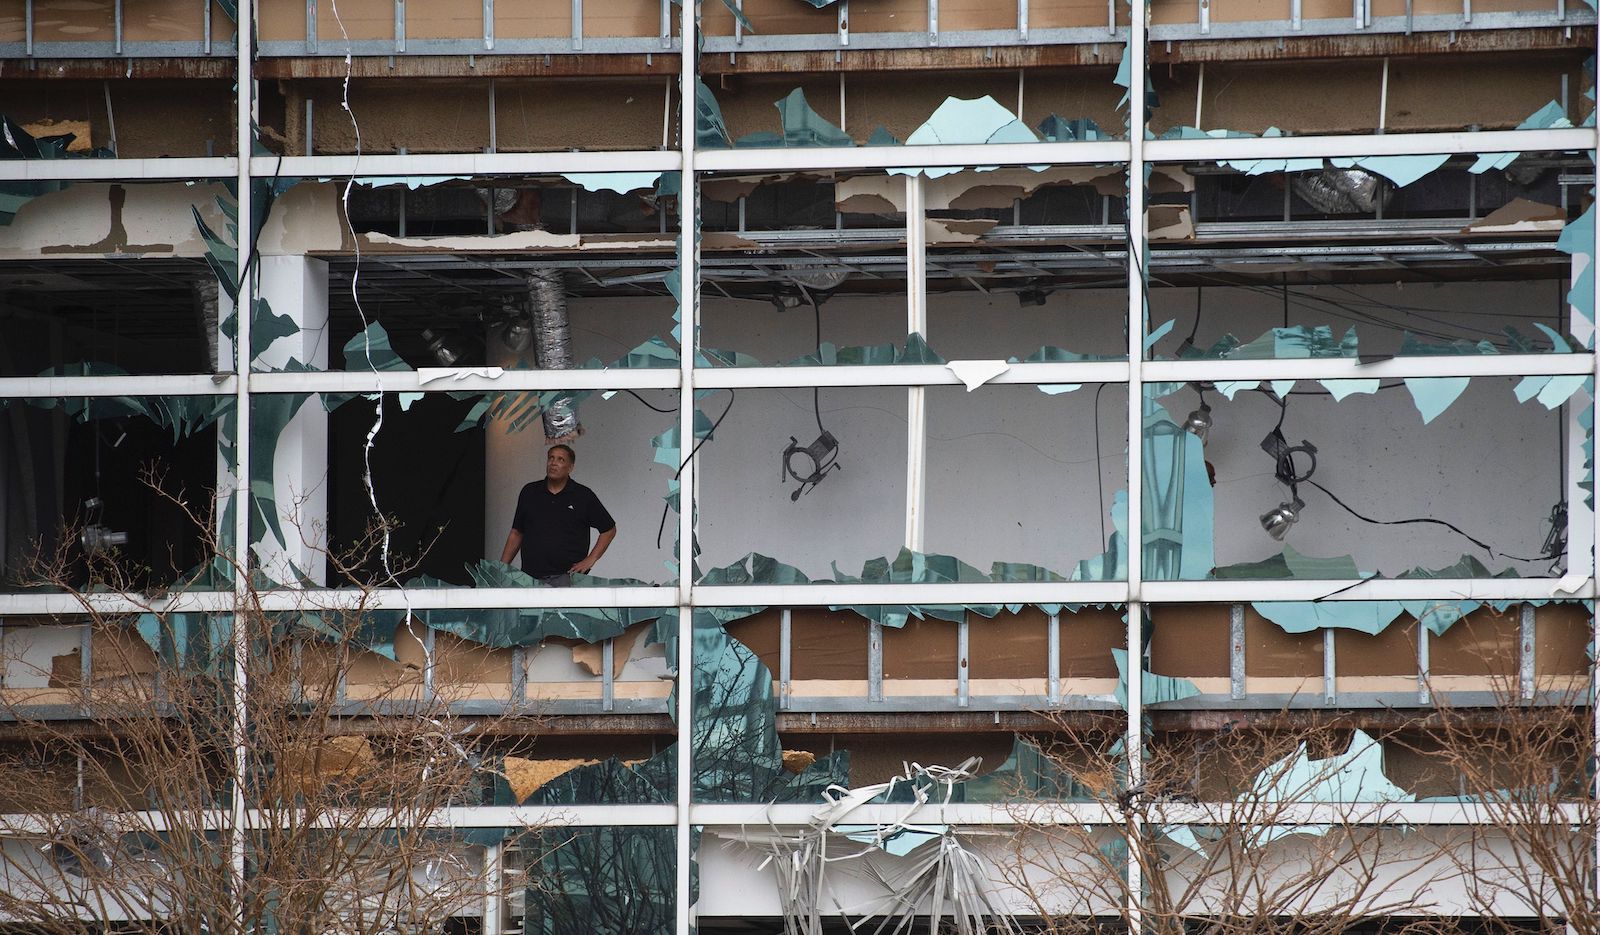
x,y
1342,191
206,295
552,342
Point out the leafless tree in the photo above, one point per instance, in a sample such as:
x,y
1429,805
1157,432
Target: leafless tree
x,y
1526,764
1220,835
130,802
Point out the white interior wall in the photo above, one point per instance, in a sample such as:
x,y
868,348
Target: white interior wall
x,y
1011,470
1470,311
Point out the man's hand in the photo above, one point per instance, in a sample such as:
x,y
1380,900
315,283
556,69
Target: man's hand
x,y
600,546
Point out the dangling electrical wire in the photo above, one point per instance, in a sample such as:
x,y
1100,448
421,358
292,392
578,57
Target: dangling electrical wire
x,y
711,433
1288,474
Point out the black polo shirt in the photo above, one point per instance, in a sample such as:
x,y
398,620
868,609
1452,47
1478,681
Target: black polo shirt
x,y
555,526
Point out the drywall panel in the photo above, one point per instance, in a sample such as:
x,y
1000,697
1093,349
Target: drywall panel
x,y
437,19
1375,453
167,21
1190,640
374,19
281,21
922,649
13,20
1428,93
1273,654
1392,651
29,653
534,19
74,21
772,17
1483,643
1087,638
750,104
1010,646
452,115
1076,14
153,118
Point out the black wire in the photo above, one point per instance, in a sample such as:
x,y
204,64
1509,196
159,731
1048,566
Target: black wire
x,y
647,404
816,393
1398,522
1199,302
1099,488
679,472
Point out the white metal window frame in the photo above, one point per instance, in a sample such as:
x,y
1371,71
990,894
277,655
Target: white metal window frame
x,y
1135,153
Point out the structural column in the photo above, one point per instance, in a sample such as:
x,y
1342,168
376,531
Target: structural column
x,y
295,286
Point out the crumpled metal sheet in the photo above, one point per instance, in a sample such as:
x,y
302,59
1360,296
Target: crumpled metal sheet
x,y
552,342
920,870
1342,191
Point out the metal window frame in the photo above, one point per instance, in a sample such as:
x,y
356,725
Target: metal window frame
x,y
1136,594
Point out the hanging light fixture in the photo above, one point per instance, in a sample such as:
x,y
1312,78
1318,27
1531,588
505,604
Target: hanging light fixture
x,y
97,537
445,348
516,328
1277,520
1199,421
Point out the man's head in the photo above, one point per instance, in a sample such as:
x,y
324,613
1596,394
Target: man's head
x,y
558,463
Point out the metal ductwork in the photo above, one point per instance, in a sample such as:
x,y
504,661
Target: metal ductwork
x,y
207,295
552,343
1342,191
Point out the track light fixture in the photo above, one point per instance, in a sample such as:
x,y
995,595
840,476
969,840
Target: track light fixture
x,y
1277,520
1199,421
96,537
446,348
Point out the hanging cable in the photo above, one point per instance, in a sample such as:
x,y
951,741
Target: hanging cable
x,y
711,433
647,404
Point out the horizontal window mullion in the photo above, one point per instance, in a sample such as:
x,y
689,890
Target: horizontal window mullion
x,y
176,168
905,375
200,384
451,380
1350,368
463,164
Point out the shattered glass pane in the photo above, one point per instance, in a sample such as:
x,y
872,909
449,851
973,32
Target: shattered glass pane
x,y
759,743
154,308
447,469
109,492
606,881
1046,494
1393,480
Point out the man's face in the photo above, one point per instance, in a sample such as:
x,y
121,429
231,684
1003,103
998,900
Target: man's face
x,y
558,465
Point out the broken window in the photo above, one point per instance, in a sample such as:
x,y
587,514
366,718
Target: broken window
x,y
446,469
1421,497
109,491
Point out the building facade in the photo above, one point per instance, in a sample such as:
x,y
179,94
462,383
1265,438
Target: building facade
x,y
1183,422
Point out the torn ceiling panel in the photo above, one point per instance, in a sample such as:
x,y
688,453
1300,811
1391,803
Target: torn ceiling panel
x,y
970,190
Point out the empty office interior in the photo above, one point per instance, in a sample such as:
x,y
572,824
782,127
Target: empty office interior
x,y
1116,467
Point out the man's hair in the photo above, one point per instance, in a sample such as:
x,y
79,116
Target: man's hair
x,y
571,455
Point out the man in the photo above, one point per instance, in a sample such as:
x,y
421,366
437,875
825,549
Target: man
x,y
552,523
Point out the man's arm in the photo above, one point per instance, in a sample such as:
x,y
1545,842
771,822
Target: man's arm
x,y
513,546
601,543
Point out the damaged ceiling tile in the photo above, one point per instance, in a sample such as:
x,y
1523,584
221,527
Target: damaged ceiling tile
x,y
944,230
1518,216
1169,222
